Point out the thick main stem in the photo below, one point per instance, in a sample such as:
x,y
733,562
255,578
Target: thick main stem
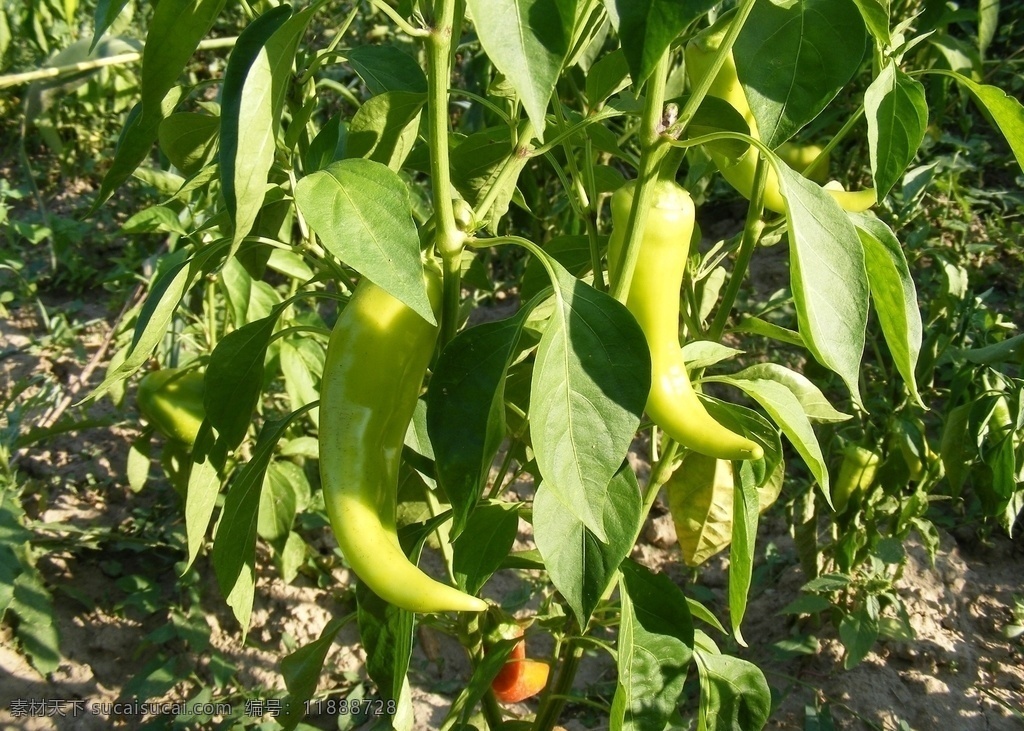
x,y
449,240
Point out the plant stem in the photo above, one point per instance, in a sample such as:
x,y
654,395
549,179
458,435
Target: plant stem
x,y
555,699
751,233
56,72
398,20
448,239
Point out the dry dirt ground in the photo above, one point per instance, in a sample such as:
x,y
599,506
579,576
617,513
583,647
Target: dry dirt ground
x,y
961,673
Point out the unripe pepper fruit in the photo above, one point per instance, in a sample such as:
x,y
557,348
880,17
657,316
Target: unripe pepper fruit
x,y
699,55
654,302
376,360
171,399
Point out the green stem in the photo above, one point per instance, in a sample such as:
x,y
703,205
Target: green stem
x,y
450,293
845,130
438,42
448,238
751,233
555,699
653,149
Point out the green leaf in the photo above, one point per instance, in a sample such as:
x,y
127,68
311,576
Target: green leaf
x,y
174,34
580,566
858,632
876,18
1005,111
745,510
301,670
172,281
328,146
299,380
988,23
187,139
278,500
482,547
786,410
813,401
477,163
139,458
527,41
733,694
609,75
654,650
828,277
897,116
387,68
362,212
827,583
647,27
234,379
700,354
252,99
385,128
234,547
590,383
894,296
37,630
814,46
466,410
106,13
204,482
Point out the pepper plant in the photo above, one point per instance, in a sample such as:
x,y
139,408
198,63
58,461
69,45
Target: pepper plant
x,y
373,190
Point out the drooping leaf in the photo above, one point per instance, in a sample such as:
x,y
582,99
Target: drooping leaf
x,y
813,401
362,212
794,58
301,671
786,410
894,296
897,116
252,99
527,40
1006,112
828,277
234,547
590,383
746,507
580,566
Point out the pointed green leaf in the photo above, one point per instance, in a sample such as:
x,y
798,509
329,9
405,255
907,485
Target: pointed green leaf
x,y
746,507
580,566
234,379
812,47
786,410
466,410
482,547
527,40
828,277
590,383
734,695
897,115
813,401
654,650
1006,111
894,296
387,68
362,212
647,27
386,127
